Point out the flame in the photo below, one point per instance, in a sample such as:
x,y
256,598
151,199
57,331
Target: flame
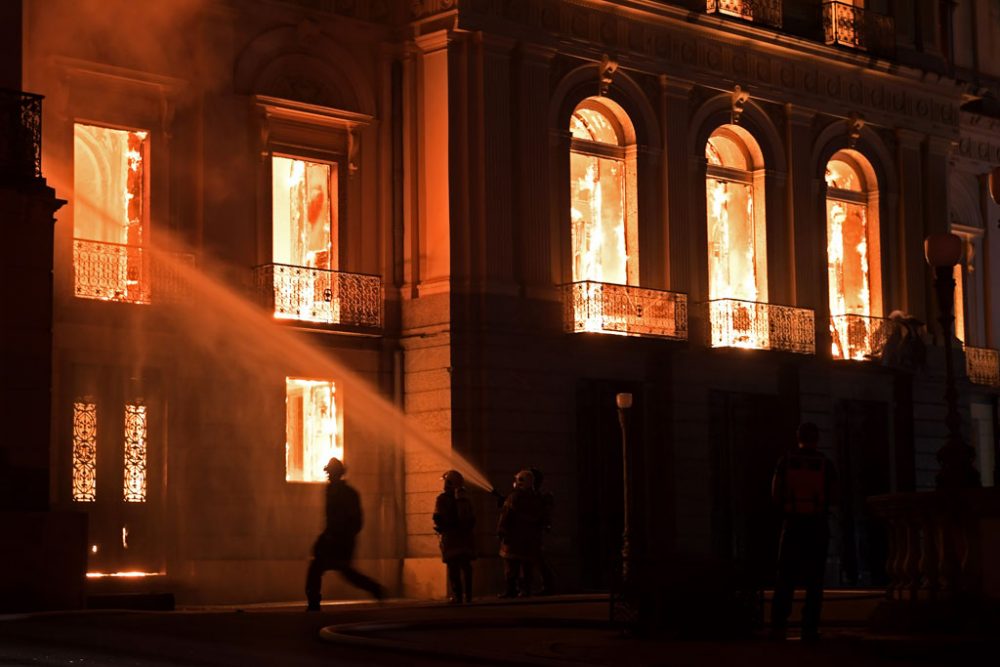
x,y
314,428
130,574
733,264
851,324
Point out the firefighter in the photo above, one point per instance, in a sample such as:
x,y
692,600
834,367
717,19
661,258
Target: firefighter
x,y
334,548
520,531
548,501
454,522
804,487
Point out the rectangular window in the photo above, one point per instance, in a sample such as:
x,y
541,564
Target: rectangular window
x,y
598,219
84,451
733,256
304,248
135,453
314,427
109,211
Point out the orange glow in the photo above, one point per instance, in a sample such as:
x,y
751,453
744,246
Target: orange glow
x,y
84,451
736,244
848,261
599,206
109,209
135,455
959,303
130,574
304,229
314,428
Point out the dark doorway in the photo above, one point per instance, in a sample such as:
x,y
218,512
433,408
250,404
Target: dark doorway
x,y
600,476
748,433
862,433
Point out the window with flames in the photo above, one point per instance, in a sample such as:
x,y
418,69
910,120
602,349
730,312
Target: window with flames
x,y
85,451
853,266
109,214
314,428
737,243
603,209
304,248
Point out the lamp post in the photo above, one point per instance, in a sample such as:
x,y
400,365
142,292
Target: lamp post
x,y
624,403
943,251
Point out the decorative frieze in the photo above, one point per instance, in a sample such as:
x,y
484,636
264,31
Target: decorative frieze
x,y
761,67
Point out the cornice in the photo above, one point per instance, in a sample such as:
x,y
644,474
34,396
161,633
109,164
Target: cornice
x,y
717,53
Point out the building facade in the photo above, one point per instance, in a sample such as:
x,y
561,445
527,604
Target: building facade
x,y
291,222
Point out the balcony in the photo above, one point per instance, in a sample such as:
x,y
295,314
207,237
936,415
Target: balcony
x,y
624,310
982,365
126,273
764,12
858,28
20,136
760,326
321,296
861,338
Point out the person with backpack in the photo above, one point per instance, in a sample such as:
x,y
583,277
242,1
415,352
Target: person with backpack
x,y
803,487
454,522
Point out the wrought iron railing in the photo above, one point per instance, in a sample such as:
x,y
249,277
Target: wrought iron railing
x,y
982,365
759,326
859,337
625,310
127,273
308,294
858,28
765,12
20,136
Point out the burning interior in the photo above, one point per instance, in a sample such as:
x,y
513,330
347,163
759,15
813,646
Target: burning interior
x,y
737,244
602,205
109,180
304,221
314,428
856,327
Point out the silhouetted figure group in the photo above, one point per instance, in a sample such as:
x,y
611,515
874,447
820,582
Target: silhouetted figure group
x,y
525,515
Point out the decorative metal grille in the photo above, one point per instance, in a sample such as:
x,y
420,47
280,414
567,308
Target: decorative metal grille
x,y
319,295
859,337
126,273
760,326
624,309
20,136
982,365
84,451
135,453
858,28
766,12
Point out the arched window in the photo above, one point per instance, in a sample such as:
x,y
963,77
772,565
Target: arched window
x,y
602,194
737,243
853,256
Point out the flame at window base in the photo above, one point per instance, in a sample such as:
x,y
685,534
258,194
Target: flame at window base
x,y
128,575
760,326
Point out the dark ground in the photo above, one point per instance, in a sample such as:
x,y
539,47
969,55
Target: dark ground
x,y
567,630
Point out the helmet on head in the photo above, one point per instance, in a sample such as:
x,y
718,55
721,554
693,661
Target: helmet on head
x,y
524,480
335,468
453,479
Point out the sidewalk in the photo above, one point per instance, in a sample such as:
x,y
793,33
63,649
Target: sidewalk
x,y
563,630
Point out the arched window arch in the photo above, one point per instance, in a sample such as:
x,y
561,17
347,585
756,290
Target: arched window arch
x,y
853,255
603,209
737,240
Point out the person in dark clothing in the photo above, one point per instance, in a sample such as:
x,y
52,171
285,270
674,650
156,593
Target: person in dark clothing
x,y
520,532
548,501
454,522
803,487
334,548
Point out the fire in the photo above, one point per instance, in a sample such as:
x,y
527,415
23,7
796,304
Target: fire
x,y
128,574
314,428
848,262
109,211
735,242
304,222
599,184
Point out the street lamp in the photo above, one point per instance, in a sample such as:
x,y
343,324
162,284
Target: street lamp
x,y
943,251
624,403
